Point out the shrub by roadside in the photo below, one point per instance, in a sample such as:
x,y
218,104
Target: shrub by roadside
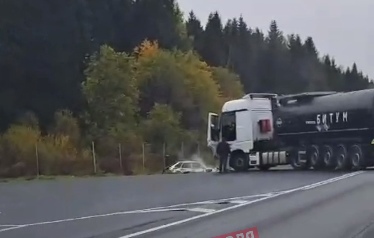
x,y
24,151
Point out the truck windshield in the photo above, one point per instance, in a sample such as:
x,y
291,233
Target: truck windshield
x,y
228,126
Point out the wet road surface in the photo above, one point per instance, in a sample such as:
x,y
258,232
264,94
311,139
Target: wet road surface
x,y
280,203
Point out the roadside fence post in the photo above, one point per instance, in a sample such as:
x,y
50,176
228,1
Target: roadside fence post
x,y
182,149
37,160
120,157
164,155
94,157
143,155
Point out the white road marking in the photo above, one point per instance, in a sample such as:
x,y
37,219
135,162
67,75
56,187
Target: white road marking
x,y
238,201
321,183
212,201
241,205
200,209
94,216
260,197
11,228
176,207
332,180
193,209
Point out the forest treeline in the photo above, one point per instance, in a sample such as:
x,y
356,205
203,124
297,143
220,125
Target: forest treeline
x,y
123,72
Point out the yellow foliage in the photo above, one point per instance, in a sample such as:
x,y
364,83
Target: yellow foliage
x,y
199,81
66,124
147,49
23,150
229,83
177,78
58,155
18,145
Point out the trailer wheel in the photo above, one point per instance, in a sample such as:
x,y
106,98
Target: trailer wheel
x,y
328,157
239,161
342,160
314,157
356,157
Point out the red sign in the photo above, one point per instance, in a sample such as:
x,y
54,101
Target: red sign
x,y
247,233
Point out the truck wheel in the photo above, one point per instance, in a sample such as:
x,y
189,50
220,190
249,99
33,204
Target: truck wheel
x,y
356,157
239,162
342,160
316,161
328,157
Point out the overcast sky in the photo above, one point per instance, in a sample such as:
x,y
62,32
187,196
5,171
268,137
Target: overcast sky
x,y
343,29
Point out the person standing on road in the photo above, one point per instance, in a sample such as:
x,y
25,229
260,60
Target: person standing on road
x,y
223,151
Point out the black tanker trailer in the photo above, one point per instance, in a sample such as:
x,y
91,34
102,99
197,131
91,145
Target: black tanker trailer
x,y
326,130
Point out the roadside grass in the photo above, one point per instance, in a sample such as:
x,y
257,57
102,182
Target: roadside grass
x,y
56,177
138,170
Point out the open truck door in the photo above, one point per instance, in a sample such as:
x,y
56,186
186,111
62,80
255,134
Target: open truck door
x,y
213,131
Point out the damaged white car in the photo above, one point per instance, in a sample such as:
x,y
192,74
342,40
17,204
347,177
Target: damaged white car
x,y
187,166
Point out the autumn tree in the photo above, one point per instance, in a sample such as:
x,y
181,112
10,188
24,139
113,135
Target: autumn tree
x,y
66,124
111,93
162,125
229,83
178,79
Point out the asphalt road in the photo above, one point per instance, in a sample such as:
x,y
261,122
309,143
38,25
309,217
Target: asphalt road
x,y
279,203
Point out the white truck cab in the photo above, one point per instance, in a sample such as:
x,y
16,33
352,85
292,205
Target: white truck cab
x,y
243,122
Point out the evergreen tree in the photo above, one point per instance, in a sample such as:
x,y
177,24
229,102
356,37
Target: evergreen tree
x,y
275,62
195,31
213,49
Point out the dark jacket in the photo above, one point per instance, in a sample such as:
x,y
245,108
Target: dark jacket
x,y
223,149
